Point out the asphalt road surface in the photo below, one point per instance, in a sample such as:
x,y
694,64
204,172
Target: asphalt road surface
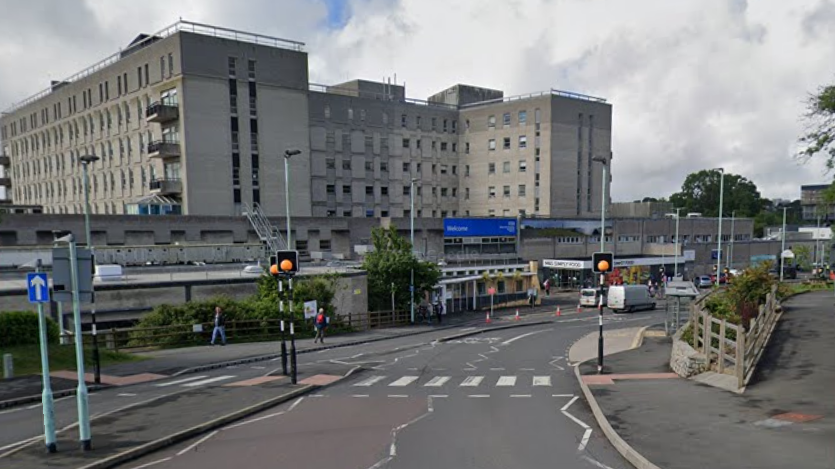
x,y
504,399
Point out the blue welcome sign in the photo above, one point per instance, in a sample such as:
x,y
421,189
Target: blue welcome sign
x,y
464,227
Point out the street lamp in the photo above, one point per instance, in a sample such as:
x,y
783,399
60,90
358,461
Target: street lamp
x,y
412,240
86,160
783,244
602,160
719,237
675,266
287,154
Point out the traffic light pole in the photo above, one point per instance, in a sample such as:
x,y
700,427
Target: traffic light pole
x,y
600,324
283,338
293,369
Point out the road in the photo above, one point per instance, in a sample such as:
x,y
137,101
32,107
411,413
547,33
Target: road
x,y
496,400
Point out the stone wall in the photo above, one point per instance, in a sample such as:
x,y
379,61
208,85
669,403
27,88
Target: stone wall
x,y
685,360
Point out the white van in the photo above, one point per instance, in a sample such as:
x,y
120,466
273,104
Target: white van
x,y
629,298
108,273
589,297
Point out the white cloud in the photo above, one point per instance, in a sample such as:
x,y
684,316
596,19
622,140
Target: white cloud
x,y
693,83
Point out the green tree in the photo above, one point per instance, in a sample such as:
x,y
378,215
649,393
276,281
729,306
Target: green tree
x,y
390,263
820,117
700,193
321,288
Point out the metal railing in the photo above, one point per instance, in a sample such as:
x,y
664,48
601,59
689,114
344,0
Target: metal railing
x,y
267,233
320,88
182,25
551,92
166,185
161,146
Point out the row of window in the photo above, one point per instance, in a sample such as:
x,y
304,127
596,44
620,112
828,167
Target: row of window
x,y
491,167
384,190
41,118
521,119
491,143
407,143
103,184
521,191
385,213
446,125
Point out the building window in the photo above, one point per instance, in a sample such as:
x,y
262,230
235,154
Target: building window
x,y
406,167
467,170
445,125
232,63
506,119
406,143
443,146
384,166
491,144
466,193
331,189
444,169
506,191
434,168
385,118
403,120
491,121
350,114
251,69
454,126
491,192
467,148
362,115
327,112
369,190
523,141
521,190
523,166
346,165
443,192
417,122
384,190
346,189
523,117
491,168
369,166
325,244
417,143
506,143
506,167
330,163
407,190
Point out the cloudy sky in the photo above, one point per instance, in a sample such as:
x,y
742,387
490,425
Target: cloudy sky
x,y
694,83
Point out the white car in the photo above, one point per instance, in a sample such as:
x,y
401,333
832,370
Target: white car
x,y
589,297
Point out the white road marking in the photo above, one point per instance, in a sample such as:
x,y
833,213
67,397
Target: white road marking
x,y
258,367
437,396
360,395
472,381
126,394
479,396
370,381
520,395
317,395
180,381
562,395
196,443
467,329
398,396
595,462
231,367
294,404
541,380
565,407
514,339
154,463
208,381
404,381
437,381
253,420
506,381
21,442
585,440
496,369
527,369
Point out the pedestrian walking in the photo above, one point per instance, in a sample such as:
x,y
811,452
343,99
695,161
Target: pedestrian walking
x,y
548,287
220,326
321,323
439,310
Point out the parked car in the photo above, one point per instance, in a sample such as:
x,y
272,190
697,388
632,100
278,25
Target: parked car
x,y
629,298
589,297
704,281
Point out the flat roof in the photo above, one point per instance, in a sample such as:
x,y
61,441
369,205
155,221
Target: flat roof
x,y
146,39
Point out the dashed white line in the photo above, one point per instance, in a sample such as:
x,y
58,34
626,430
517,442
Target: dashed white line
x,y
562,395
478,396
126,394
180,381
398,396
359,395
438,396
496,369
520,395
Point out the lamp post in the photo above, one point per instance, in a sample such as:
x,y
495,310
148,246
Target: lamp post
x,y
719,237
81,391
412,240
675,266
604,162
782,244
287,154
86,160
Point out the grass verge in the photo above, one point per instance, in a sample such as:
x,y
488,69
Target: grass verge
x,y
27,358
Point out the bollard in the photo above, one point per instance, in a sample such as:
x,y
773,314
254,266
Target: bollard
x,y
8,366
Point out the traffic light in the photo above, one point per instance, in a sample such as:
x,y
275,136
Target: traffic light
x,y
602,262
285,262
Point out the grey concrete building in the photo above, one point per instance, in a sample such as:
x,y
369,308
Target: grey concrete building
x,y
194,120
176,119
813,203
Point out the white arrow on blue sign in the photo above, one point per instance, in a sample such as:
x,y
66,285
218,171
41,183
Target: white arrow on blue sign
x,y
38,288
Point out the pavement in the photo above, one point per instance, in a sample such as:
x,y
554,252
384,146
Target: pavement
x,y
783,419
483,398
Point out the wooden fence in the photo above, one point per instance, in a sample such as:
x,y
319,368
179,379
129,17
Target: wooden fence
x,y
730,346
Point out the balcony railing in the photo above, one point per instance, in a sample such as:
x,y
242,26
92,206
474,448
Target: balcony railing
x,y
163,149
5,161
166,186
162,112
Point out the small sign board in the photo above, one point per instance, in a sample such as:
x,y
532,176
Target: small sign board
x,y
197,328
38,287
491,291
310,309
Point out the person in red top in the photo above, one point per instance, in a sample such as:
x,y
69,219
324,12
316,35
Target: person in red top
x,y
321,323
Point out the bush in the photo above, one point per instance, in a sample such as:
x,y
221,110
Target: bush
x,y
21,328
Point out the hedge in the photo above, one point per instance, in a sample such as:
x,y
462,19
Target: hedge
x,y
21,328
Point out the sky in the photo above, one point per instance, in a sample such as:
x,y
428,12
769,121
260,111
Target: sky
x,y
694,84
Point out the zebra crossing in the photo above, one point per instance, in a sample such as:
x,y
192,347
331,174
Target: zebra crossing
x,y
195,381
504,381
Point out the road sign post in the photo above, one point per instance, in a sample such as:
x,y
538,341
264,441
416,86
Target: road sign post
x,y
38,287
